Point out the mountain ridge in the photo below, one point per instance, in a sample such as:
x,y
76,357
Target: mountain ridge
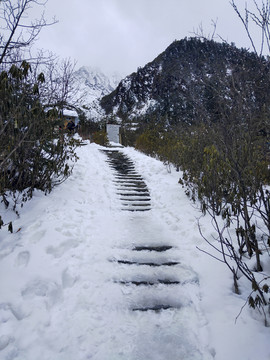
x,y
179,84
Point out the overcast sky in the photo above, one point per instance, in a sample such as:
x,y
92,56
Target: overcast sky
x,y
121,35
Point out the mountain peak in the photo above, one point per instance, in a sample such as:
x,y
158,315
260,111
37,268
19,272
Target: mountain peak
x,y
92,85
174,85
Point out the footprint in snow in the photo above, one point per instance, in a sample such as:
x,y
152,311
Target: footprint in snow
x,y
60,250
5,340
48,290
82,189
23,258
37,236
80,211
7,309
68,280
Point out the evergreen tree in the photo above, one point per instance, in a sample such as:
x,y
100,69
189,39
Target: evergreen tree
x,y
34,154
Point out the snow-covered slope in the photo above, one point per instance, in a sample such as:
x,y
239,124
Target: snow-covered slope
x,y
92,85
63,292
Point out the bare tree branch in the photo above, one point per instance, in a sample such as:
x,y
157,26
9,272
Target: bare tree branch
x,y
260,17
16,32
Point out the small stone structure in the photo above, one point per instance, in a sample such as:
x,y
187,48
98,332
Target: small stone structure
x,y
113,133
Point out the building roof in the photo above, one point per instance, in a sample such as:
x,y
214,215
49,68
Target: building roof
x,y
70,113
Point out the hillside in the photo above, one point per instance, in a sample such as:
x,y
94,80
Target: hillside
x,y
187,82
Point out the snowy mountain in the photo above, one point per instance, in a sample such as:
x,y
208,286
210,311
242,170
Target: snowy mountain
x,y
183,82
92,84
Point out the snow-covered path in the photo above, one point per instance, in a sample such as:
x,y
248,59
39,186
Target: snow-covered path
x,y
76,275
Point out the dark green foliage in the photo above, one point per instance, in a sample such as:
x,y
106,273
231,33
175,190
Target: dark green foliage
x,y
33,154
149,142
100,137
87,127
128,137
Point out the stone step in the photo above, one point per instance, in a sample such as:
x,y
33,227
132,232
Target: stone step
x,y
137,186
135,177
122,167
135,210
139,204
156,308
149,283
108,151
136,190
118,157
160,248
130,182
126,171
112,159
128,262
133,191
125,178
120,163
129,194
135,199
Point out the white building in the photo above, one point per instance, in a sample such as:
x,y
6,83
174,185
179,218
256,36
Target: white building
x,y
71,115
113,133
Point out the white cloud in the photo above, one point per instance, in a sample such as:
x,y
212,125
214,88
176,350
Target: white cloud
x,y
124,34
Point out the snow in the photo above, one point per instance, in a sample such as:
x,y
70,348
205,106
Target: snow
x,y
62,292
150,103
71,113
91,85
126,83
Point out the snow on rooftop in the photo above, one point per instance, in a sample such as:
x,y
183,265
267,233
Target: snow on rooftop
x,y
71,113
